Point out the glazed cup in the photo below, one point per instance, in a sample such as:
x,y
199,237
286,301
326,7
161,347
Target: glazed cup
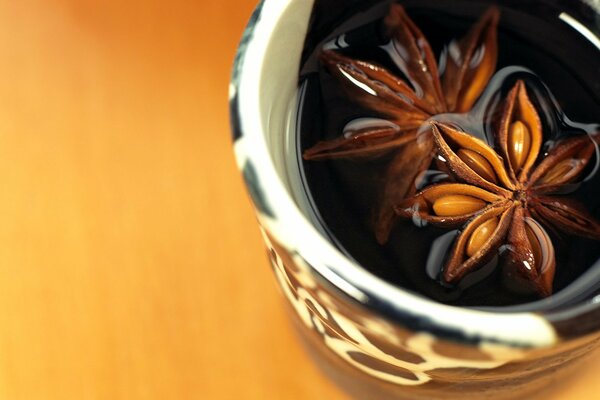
x,y
374,339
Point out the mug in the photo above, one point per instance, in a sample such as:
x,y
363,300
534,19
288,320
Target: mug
x,y
376,340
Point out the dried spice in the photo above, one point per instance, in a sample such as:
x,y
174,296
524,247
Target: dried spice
x,y
468,67
505,198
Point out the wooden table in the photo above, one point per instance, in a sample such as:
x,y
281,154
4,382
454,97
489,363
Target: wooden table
x,y
131,266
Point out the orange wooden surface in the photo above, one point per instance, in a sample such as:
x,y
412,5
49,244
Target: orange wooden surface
x,y
131,266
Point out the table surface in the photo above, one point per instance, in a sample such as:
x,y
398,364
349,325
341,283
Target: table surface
x,y
131,264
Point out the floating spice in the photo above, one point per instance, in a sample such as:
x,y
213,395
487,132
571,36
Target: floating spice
x,y
468,66
504,197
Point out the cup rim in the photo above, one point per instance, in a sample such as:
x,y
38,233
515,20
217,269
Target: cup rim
x,y
466,325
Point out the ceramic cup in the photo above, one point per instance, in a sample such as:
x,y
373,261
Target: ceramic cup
x,y
374,339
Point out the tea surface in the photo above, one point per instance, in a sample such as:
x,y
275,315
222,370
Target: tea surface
x,y
549,56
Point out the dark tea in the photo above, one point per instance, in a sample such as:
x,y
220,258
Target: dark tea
x,y
451,147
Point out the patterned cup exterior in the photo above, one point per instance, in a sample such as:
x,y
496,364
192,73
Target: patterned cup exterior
x,y
374,357
375,340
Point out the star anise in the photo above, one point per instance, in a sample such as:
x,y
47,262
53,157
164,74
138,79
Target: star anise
x,y
507,198
468,65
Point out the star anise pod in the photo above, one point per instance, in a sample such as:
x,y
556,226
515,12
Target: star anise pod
x,y
507,198
468,65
